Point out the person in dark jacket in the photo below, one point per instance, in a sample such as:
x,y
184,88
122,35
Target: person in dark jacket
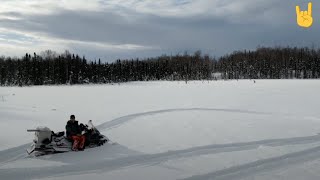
x,y
73,132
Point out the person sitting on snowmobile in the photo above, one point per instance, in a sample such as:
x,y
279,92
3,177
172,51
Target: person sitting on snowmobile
x,y
73,132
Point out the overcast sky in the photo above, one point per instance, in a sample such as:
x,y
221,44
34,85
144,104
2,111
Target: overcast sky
x,y
111,29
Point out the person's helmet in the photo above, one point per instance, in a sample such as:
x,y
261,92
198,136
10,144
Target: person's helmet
x,y
72,117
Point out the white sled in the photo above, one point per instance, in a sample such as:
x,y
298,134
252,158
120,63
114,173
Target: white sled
x,y
48,142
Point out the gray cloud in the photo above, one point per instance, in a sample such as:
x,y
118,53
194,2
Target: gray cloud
x,y
271,23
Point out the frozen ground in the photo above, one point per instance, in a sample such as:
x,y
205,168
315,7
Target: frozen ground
x,y
169,130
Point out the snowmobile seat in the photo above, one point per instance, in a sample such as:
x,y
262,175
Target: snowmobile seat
x,y
59,134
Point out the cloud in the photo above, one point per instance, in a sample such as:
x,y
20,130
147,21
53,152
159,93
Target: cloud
x,y
113,29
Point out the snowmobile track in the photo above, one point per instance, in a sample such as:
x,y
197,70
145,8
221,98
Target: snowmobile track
x,y
149,159
105,165
124,119
264,165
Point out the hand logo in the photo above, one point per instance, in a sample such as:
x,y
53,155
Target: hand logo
x,y
304,18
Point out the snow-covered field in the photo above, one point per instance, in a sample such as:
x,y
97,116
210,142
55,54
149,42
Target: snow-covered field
x,y
169,130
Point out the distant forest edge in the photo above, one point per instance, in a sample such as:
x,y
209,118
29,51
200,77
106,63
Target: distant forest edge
x,y
50,68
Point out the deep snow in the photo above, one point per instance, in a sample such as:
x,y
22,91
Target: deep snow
x,y
169,130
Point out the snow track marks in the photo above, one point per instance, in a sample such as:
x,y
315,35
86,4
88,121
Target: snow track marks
x,y
134,159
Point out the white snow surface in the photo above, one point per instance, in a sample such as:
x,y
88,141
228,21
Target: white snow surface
x,y
169,130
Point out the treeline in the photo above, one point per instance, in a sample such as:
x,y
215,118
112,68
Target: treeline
x,y
271,63
51,68
264,63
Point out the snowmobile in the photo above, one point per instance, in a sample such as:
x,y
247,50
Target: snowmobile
x,y
48,142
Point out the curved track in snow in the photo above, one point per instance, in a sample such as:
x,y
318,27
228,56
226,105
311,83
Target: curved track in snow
x,y
263,165
124,119
126,157
105,165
